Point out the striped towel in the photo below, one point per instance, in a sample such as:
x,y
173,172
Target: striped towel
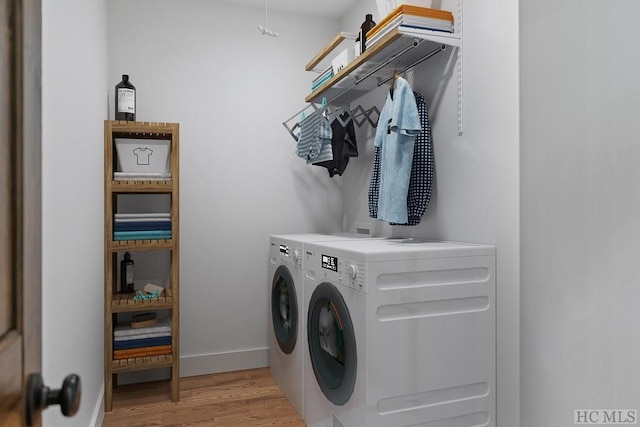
x,y
314,144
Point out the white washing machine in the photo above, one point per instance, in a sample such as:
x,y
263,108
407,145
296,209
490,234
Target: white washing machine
x,y
287,326
400,333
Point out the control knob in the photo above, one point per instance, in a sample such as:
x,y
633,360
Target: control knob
x,y
352,271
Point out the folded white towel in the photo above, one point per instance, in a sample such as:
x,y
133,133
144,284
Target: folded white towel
x,y
142,215
141,176
163,326
141,336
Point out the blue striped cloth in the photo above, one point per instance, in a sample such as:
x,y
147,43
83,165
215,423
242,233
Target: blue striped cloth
x,y
314,144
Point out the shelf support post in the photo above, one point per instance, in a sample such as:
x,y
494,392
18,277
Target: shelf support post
x,y
459,69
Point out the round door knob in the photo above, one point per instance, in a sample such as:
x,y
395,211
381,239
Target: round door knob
x,y
352,271
39,396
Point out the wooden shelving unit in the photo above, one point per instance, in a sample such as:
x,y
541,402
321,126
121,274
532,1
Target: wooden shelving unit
x,y
399,50
116,302
396,50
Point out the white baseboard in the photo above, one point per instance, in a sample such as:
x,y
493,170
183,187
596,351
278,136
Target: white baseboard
x,y
191,366
204,364
98,411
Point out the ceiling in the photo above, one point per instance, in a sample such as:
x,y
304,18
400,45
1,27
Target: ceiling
x,y
325,8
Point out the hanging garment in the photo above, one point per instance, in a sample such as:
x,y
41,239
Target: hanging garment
x,y
398,126
321,151
422,171
343,145
374,184
315,134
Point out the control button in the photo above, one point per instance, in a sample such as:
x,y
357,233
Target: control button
x,y
352,271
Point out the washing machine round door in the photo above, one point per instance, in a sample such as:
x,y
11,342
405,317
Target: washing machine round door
x,y
332,343
284,309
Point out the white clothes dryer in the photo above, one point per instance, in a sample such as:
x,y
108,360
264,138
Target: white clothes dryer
x,y
287,326
400,333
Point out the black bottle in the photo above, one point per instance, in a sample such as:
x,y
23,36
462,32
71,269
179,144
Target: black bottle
x,y
125,100
126,273
364,29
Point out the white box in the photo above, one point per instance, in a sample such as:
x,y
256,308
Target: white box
x,y
386,6
342,59
143,155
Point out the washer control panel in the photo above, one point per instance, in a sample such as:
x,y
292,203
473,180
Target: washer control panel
x,y
342,270
291,256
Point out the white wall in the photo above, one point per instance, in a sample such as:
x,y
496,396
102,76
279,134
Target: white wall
x,y
476,197
74,78
579,218
204,64
580,208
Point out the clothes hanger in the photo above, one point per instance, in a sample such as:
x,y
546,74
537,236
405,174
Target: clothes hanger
x,y
393,81
325,110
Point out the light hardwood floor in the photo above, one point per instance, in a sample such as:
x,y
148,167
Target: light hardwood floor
x,y
242,398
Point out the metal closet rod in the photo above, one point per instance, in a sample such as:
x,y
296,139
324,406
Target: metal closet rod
x,y
415,43
424,58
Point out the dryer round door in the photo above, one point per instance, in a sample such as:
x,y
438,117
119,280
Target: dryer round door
x,y
284,309
332,343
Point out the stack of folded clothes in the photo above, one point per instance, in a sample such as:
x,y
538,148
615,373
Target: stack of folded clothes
x,y
129,342
145,226
322,78
411,18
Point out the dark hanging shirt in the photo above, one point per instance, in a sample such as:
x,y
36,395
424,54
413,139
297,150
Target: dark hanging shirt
x,y
343,144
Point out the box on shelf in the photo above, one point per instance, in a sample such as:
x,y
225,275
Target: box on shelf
x,y
343,59
143,155
322,60
386,6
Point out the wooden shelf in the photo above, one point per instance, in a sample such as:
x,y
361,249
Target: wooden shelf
x,y
142,363
335,42
117,303
347,86
125,302
149,130
142,186
140,245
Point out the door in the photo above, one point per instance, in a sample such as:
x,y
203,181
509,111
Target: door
x,y
20,149
22,394
284,309
332,343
